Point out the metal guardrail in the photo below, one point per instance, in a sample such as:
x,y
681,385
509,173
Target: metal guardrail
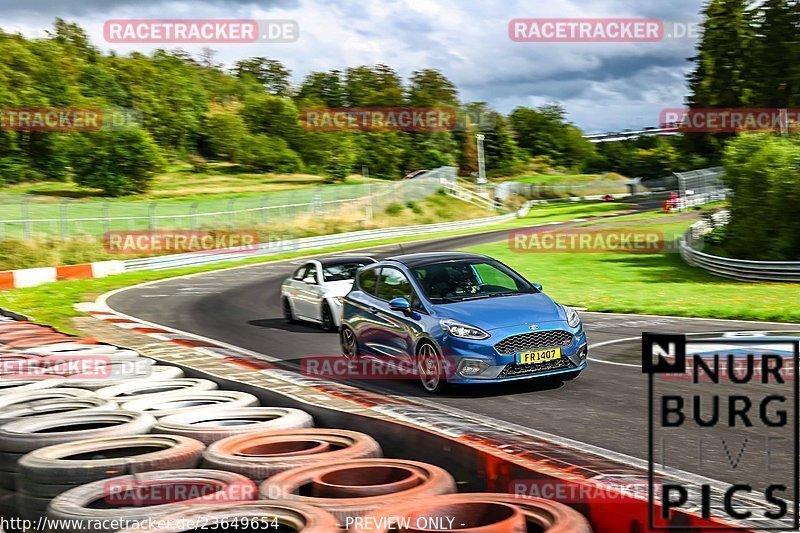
x,y
741,269
307,243
562,189
465,193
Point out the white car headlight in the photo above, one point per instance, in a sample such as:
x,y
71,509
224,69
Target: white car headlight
x,y
573,319
463,331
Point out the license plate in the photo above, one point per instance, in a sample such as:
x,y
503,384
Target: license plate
x,y
539,356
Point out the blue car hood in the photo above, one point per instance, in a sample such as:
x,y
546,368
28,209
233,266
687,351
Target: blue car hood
x,y
500,312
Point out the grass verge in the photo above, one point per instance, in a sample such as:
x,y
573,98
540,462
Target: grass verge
x,y
53,303
180,183
659,284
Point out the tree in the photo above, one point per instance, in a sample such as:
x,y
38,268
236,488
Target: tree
x,y
762,173
323,88
116,162
430,88
775,55
468,162
545,132
724,61
226,132
266,153
270,73
383,152
372,87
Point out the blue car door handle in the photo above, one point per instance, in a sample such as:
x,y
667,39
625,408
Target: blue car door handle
x,y
373,309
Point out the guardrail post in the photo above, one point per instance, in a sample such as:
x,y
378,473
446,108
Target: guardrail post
x,y
26,221
106,221
151,209
316,202
64,218
193,210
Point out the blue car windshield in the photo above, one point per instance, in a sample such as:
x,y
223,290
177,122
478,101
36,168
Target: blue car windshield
x,y
454,281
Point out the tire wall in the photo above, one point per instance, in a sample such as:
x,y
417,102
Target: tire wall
x,y
473,469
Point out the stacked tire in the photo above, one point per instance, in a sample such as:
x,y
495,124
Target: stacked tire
x,y
20,437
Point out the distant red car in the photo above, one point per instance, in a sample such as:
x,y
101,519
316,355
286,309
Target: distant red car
x,y
607,198
673,200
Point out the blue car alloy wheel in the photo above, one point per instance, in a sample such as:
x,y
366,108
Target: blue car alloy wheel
x,y
460,318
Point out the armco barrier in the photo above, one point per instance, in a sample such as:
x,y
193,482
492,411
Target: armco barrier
x,y
308,243
323,241
741,269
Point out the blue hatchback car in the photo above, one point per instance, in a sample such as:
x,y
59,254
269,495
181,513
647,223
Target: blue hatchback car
x,y
460,318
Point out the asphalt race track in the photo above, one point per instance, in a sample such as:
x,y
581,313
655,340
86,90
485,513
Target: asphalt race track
x,y
605,407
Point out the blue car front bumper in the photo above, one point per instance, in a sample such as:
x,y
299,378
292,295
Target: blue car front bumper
x,y
500,366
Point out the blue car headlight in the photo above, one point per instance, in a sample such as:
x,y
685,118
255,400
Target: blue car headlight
x,y
573,320
463,331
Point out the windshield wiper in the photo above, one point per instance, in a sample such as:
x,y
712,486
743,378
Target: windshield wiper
x,y
495,295
509,293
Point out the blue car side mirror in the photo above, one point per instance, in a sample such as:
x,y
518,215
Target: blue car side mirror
x,y
400,304
537,286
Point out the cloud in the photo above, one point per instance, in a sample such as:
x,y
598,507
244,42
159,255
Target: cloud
x,y
602,85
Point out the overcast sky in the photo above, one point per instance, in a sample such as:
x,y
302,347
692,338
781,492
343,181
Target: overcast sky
x,y
603,86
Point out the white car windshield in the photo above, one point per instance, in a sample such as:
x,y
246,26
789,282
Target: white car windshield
x,y
341,271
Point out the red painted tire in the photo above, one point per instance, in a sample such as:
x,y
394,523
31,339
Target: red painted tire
x,y
485,512
355,488
262,454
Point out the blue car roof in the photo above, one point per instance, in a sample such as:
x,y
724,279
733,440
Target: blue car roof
x,y
419,259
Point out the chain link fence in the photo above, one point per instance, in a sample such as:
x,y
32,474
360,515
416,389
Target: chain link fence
x,y
562,189
31,216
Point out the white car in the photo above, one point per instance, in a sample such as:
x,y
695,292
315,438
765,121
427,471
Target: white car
x,y
315,291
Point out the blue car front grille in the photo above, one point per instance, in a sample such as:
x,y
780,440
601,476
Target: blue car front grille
x,y
529,341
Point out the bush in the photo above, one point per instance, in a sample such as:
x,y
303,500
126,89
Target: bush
x,y
268,154
393,209
414,206
117,162
763,172
199,164
226,133
337,167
